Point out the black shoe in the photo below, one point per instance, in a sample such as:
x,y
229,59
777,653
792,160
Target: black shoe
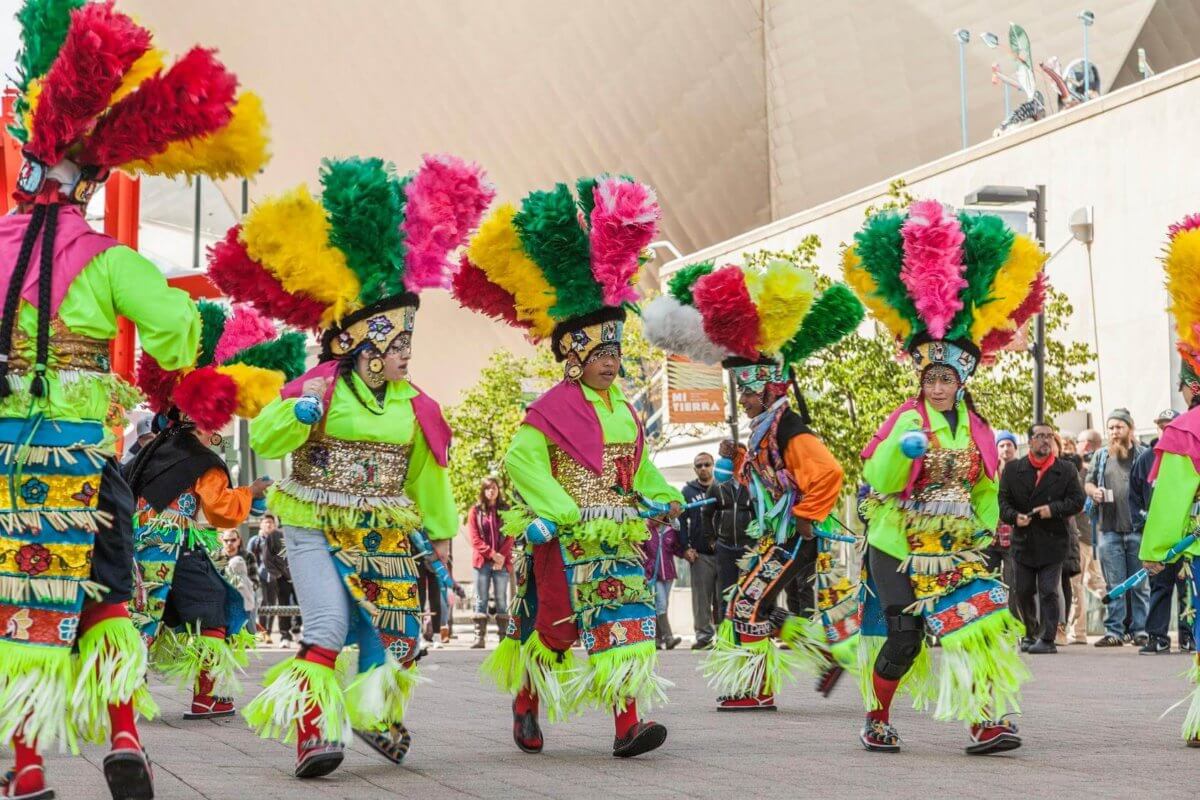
x,y
879,737
1155,646
702,644
1026,644
1108,640
393,744
642,738
1042,646
1187,647
318,758
1140,639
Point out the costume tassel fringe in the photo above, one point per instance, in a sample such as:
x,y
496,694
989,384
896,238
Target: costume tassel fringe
x,y
112,669
378,698
553,677
918,682
610,679
35,684
981,671
181,658
293,688
747,669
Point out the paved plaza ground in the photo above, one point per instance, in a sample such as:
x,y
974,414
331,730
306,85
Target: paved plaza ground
x,y
1091,728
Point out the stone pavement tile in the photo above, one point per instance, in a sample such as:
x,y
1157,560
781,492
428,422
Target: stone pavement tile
x,y
1085,712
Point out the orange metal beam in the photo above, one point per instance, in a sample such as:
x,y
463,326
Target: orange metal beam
x,y
122,208
10,152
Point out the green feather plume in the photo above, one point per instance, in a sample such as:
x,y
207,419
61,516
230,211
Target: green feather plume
x,y
680,284
212,325
880,246
985,248
586,189
365,203
551,236
44,25
285,354
833,315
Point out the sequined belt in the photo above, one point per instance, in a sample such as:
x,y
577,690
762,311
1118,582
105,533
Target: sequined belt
x,y
70,351
355,469
608,495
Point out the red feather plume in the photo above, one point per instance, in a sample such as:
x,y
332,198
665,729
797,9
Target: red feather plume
x,y
156,383
100,47
245,280
208,397
1032,304
729,316
193,98
472,289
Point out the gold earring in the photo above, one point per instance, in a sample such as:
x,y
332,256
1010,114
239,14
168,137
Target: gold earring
x,y
574,372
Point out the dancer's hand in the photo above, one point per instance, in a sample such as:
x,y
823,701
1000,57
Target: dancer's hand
x,y
674,510
540,531
259,487
1154,567
315,387
804,528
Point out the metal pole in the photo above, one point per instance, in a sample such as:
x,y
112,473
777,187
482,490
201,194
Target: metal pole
x,y
733,408
196,228
1039,352
1007,105
1087,72
962,88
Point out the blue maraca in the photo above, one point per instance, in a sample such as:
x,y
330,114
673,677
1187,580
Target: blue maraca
x,y
914,444
308,410
723,470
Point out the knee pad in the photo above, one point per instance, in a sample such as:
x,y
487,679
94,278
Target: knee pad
x,y
903,645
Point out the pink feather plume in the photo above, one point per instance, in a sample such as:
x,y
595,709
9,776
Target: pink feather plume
x,y
244,280
1186,224
192,99
624,221
446,199
246,328
100,47
933,264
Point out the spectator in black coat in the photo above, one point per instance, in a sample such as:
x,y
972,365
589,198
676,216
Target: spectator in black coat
x,y
1038,495
699,553
727,519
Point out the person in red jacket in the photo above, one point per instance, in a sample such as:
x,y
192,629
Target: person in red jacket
x,y
491,558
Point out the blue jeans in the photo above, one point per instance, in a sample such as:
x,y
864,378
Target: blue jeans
x,y
488,577
1119,559
662,593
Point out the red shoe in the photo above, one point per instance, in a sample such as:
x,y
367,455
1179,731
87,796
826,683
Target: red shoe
x,y
127,770
209,707
993,736
526,731
829,679
878,736
24,785
764,702
318,757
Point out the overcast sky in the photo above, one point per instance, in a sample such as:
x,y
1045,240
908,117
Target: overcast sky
x,y
10,39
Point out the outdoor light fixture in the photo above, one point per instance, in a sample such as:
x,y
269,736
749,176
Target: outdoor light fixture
x,y
1012,195
990,39
964,37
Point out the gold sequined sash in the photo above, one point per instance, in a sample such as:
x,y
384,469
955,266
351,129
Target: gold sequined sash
x,y
68,351
341,472
608,495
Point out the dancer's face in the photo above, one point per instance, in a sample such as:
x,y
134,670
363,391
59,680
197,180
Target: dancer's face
x,y
601,370
753,403
940,386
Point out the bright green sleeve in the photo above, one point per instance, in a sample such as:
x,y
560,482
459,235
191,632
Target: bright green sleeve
x,y
527,463
985,497
649,482
887,469
275,432
167,322
1170,507
428,484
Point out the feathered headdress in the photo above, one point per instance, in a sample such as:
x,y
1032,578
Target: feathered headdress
x,y
564,266
242,364
759,323
1181,262
353,260
951,288
96,95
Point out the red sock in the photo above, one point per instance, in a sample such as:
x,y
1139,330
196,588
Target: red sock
x,y
626,719
885,690
526,702
27,756
318,655
122,718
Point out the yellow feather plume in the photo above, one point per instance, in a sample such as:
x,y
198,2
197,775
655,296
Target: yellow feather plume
x,y
289,235
33,93
237,150
496,249
864,286
782,294
150,62
1012,285
1182,265
256,387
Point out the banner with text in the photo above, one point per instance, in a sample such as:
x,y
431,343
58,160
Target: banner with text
x,y
695,393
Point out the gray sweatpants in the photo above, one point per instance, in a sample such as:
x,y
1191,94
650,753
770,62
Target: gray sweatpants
x,y
325,603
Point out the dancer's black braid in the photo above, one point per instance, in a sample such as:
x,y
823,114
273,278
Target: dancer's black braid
x,y
345,372
39,387
12,299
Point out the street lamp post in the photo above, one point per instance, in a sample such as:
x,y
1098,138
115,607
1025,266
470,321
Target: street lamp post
x,y
1087,18
963,36
1006,196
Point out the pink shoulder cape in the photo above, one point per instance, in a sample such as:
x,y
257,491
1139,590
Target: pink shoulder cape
x,y
566,418
981,434
75,245
1181,437
425,408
